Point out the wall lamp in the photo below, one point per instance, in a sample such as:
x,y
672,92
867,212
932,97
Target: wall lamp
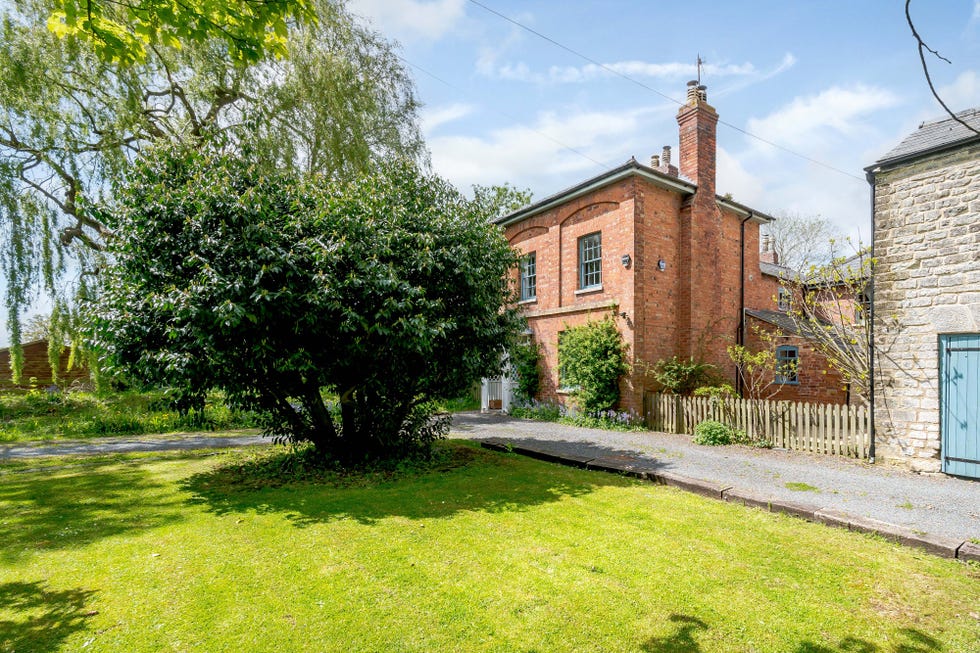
x,y
626,260
661,265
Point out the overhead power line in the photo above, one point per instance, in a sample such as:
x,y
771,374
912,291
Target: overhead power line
x,y
505,114
647,87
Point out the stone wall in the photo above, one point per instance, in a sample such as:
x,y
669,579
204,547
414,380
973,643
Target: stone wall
x,y
927,283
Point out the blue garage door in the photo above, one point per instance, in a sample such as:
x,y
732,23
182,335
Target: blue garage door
x,y
959,403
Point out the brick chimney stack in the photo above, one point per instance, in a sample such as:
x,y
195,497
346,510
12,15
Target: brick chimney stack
x,y
768,253
698,123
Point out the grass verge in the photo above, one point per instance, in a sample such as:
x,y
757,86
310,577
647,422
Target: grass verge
x,y
39,415
476,551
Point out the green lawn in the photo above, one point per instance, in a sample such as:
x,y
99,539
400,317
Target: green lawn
x,y
486,552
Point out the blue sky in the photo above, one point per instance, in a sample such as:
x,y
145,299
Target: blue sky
x,y
838,82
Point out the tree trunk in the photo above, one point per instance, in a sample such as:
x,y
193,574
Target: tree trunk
x,y
323,433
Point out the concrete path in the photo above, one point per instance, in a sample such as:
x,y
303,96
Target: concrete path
x,y
102,446
940,506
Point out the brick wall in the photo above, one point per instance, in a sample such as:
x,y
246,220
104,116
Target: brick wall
x,y
817,382
560,304
927,238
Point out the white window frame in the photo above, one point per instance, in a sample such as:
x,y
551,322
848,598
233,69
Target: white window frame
x,y
529,277
590,261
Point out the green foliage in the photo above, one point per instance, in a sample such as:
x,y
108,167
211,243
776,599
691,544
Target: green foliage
x,y
39,414
525,358
386,291
549,411
121,31
682,377
711,432
591,359
462,403
497,201
74,120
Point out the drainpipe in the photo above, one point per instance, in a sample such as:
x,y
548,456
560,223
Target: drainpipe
x,y
870,176
740,334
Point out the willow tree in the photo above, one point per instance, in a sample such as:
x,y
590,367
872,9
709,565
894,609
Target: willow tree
x,y
73,119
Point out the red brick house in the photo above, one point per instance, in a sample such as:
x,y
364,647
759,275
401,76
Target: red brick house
x,y
813,380
675,264
653,246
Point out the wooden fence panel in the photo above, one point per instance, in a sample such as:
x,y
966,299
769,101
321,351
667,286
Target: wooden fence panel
x,y
819,428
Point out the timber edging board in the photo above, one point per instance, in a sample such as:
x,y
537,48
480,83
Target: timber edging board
x,y
644,469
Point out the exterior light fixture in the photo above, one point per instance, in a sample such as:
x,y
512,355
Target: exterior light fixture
x,y
661,265
626,260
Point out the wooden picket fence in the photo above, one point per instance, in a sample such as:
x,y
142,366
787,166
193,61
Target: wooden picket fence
x,y
817,428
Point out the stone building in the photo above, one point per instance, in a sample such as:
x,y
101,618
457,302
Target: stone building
x,y
652,246
927,298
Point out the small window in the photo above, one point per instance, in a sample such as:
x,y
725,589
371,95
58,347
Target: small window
x,y
787,364
862,305
782,299
590,261
529,277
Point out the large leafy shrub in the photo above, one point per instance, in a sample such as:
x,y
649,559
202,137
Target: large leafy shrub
x,y
591,359
385,292
681,377
524,361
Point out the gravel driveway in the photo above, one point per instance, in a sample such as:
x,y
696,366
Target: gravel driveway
x,y
938,505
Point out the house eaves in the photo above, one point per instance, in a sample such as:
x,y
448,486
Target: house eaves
x,y
628,169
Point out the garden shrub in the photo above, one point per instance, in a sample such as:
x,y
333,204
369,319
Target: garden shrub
x,y
524,359
591,359
682,377
712,432
610,420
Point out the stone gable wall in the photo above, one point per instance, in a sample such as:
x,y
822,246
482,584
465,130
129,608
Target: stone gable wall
x,y
927,283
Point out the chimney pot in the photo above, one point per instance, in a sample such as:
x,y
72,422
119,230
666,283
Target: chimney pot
x,y
665,156
655,161
692,92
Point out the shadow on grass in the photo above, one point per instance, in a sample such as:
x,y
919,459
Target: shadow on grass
x,y
682,640
915,641
472,479
64,509
44,618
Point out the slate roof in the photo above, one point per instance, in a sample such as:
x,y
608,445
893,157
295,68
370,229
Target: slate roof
x,y
776,318
629,168
786,325
932,137
781,271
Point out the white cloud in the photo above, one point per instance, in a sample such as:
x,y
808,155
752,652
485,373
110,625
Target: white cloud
x,y
577,74
537,155
637,69
411,19
963,93
435,117
806,122
734,178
